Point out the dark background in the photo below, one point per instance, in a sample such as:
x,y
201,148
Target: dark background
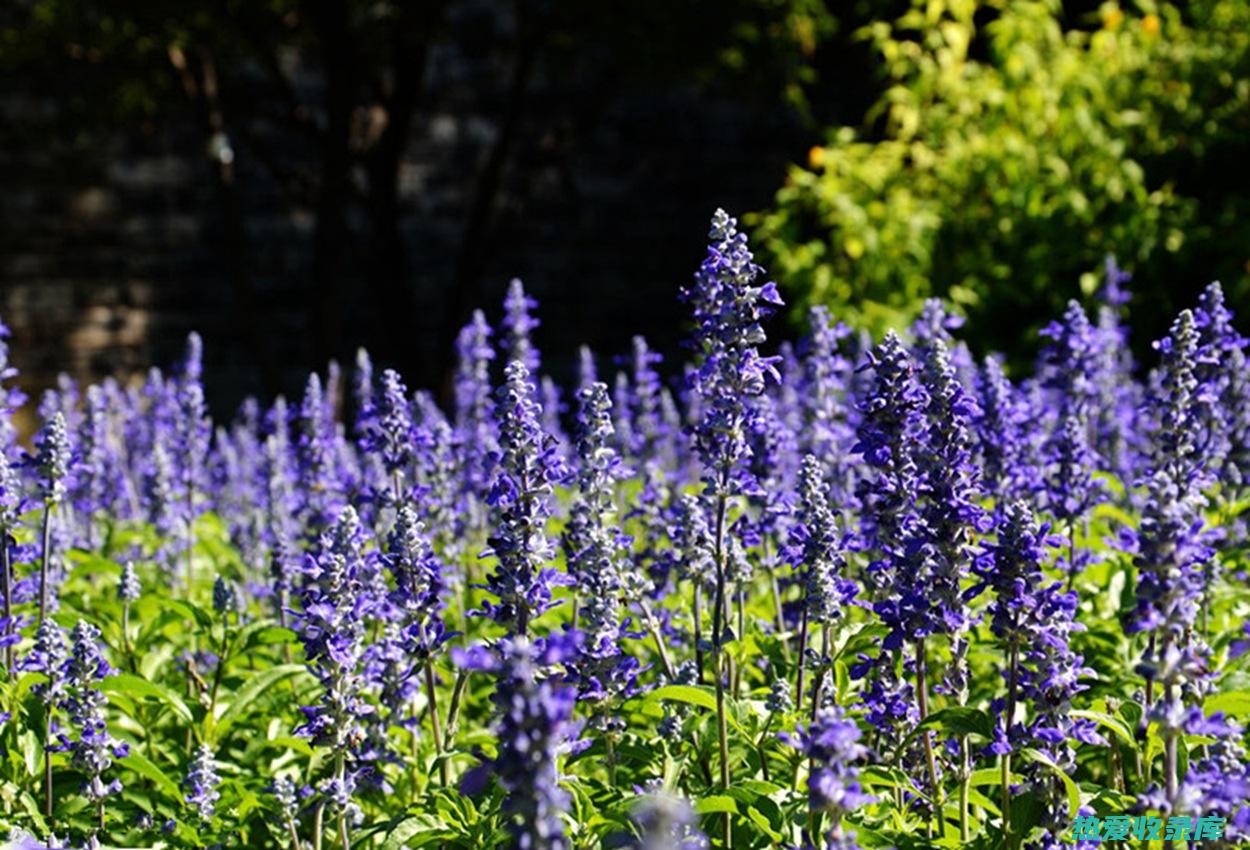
x,y
389,168
296,178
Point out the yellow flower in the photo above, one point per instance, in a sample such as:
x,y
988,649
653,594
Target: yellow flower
x,y
1111,20
816,156
1150,24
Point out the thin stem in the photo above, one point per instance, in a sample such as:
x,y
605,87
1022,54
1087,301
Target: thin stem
x,y
742,628
1071,553
654,628
453,710
48,511
340,770
293,832
819,684
318,828
718,610
47,765
6,576
611,747
798,685
436,728
922,703
1013,675
698,629
965,781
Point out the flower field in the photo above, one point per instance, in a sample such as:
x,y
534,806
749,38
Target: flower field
x,y
841,593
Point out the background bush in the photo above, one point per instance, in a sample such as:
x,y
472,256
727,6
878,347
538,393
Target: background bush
x,y
1015,145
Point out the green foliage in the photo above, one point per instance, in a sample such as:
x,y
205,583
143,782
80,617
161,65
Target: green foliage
x,y
1015,147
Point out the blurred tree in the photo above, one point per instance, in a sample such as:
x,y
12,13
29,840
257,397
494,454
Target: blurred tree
x,y
322,95
1012,149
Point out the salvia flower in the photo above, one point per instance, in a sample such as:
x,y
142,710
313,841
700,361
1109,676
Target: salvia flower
x,y
729,307
394,424
534,723
521,495
832,744
52,459
202,782
518,324
817,550
91,746
128,587
665,822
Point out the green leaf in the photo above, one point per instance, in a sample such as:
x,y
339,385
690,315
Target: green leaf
x,y
130,685
1232,703
1074,793
961,721
246,695
702,696
715,805
140,764
1108,721
32,751
428,827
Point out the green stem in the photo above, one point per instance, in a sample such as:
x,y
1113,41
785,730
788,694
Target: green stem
x,y
6,576
922,703
654,628
48,511
436,728
718,610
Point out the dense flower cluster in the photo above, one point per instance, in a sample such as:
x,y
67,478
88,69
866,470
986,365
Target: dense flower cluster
x,y
827,543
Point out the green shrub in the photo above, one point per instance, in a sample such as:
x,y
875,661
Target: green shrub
x,y
1011,151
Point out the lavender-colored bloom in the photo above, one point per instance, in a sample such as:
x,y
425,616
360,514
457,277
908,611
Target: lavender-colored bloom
x,y
394,425
202,782
891,427
999,429
48,656
1069,365
192,441
596,555
831,742
128,587
728,309
318,482
52,457
475,427
534,723
827,409
91,746
951,513
527,470
225,597
517,325
816,548
98,474
587,371
1035,618
665,822
418,573
287,796
11,398
332,629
